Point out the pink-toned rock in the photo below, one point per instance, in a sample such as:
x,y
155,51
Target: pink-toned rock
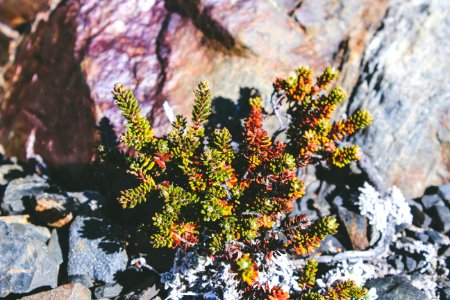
x,y
71,291
59,84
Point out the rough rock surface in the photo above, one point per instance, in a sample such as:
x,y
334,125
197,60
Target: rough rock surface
x,y
161,49
25,263
69,291
18,193
403,86
96,249
395,288
19,12
55,210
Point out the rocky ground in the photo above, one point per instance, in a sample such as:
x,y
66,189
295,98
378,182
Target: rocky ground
x,y
58,244
59,60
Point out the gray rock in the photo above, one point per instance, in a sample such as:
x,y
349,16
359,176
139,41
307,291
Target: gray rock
x,y
436,237
25,263
441,218
108,291
410,264
88,202
74,291
444,191
150,289
417,213
40,233
429,201
54,247
402,84
9,172
395,288
96,249
445,294
81,279
330,245
18,193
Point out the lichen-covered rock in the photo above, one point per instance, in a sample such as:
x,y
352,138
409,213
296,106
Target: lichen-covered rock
x,y
25,263
403,85
71,291
19,193
96,249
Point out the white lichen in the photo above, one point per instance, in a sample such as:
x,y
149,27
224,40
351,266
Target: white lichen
x,y
381,210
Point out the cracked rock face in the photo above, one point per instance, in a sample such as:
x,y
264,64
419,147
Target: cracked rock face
x,y
402,84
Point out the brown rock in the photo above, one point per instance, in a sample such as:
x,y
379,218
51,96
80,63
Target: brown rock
x,y
161,49
71,291
356,227
18,12
53,209
47,99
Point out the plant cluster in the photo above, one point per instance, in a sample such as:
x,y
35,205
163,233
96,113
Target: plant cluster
x,y
230,203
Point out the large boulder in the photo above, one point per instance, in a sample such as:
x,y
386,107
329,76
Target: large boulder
x,y
403,83
96,249
66,67
391,54
25,261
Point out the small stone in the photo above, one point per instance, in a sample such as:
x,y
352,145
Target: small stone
x,y
441,218
96,249
55,210
9,172
399,265
395,288
88,202
410,264
356,226
444,191
445,251
108,291
436,237
427,221
429,201
71,291
417,213
25,263
19,191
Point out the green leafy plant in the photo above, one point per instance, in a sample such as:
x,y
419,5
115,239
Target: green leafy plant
x,y
232,203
